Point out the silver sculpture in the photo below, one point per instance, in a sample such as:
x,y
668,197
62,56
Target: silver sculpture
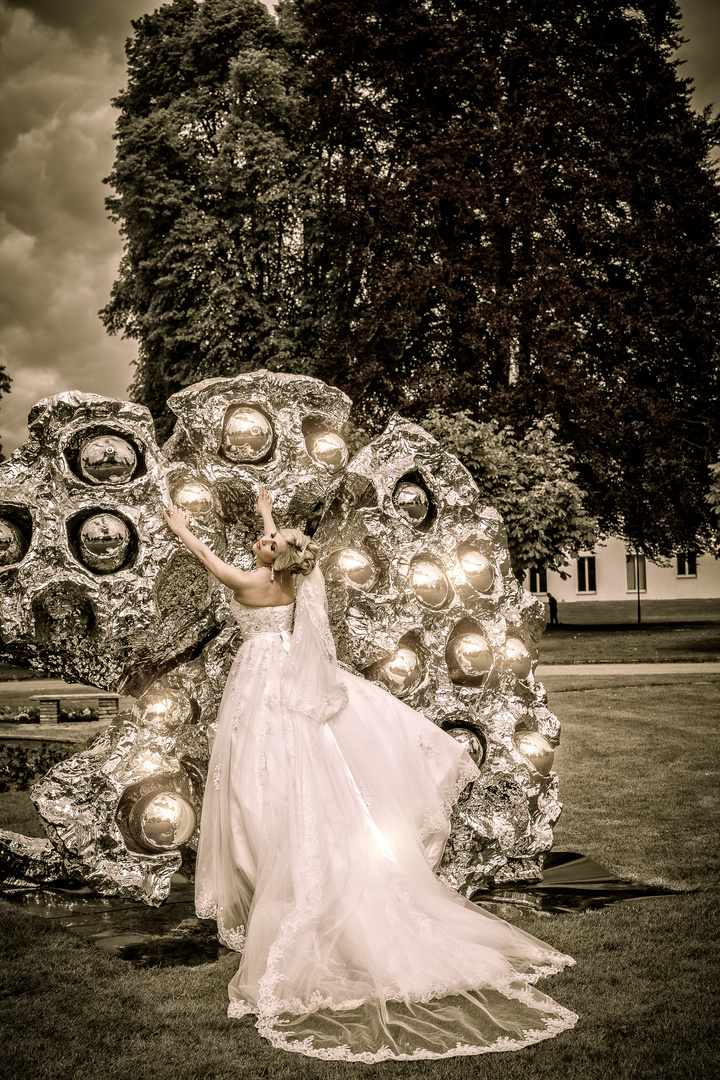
x,y
421,594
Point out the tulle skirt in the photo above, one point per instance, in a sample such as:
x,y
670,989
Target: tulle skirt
x,y
317,848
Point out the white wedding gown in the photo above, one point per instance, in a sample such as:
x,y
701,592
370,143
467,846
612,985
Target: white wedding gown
x,y
326,809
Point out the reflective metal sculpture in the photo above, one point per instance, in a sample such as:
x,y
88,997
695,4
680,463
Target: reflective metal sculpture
x,y
104,542
447,587
329,449
12,543
247,435
429,582
97,590
162,821
107,459
411,501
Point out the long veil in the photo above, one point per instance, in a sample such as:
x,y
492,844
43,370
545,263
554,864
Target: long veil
x,y
312,683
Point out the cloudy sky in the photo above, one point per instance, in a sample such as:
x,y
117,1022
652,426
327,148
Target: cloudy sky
x,y
61,62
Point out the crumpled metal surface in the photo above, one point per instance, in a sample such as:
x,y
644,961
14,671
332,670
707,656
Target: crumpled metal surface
x,y
420,589
27,861
146,618
430,608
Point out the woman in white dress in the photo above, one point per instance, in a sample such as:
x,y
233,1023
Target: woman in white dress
x,y
325,814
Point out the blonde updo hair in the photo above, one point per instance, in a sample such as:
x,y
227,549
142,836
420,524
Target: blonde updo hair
x,y
300,555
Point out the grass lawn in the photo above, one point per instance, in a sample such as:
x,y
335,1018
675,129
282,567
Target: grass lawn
x,y
619,643
638,767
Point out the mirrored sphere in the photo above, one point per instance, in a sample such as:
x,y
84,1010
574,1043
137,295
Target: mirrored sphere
x,y
469,657
104,542
107,459
357,567
162,821
470,741
162,710
329,449
12,543
429,583
411,501
536,749
401,671
247,435
195,497
478,569
517,657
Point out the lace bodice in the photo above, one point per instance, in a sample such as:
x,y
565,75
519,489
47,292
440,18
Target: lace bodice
x,y
261,620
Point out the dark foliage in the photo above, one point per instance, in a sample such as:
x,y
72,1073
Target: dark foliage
x,y
501,208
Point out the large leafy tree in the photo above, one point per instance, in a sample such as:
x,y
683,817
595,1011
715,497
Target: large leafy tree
x,y
504,208
214,196
523,221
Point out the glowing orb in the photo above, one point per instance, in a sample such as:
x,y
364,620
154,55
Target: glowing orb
x,y
517,658
104,542
401,671
107,459
470,741
412,502
193,496
12,543
161,821
329,449
357,568
469,658
535,748
428,582
247,435
478,569
162,710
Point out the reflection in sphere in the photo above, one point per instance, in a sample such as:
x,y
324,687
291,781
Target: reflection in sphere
x,y
329,449
162,710
469,657
412,502
470,741
357,568
517,658
12,543
478,569
194,497
107,459
536,749
162,820
247,435
103,542
401,671
429,582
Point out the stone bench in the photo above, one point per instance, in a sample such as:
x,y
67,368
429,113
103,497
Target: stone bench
x,y
49,705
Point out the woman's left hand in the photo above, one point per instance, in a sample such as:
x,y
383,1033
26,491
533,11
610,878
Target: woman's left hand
x,y
176,517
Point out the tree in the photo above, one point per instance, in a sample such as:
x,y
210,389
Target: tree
x,y
213,196
5,381
523,221
530,480
504,208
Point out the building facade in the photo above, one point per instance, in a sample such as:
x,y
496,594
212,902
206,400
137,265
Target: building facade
x,y
613,572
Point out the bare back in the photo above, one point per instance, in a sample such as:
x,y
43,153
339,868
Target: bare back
x,y
257,590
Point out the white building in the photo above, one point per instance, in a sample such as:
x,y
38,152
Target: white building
x,y
609,573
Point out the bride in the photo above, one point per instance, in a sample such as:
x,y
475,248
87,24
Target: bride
x,y
326,810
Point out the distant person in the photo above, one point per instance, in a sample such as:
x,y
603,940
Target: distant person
x,y
553,610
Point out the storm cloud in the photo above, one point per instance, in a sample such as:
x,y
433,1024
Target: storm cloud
x,y
62,61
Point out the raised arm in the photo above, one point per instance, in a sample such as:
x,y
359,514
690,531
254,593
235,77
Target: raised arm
x,y
264,509
232,576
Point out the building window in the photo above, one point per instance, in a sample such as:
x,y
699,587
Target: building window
x,y
634,570
586,574
538,579
687,564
